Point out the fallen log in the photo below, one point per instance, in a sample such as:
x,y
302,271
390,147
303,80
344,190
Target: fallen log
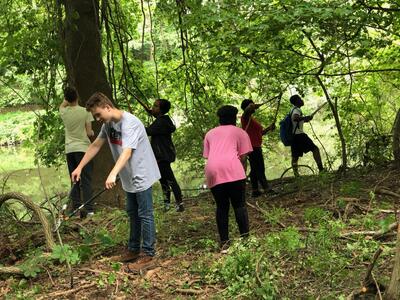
x,y
11,270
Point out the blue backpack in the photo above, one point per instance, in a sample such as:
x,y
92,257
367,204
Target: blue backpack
x,y
286,131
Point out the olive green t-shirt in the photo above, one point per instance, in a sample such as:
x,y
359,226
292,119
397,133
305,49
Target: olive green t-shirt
x,y
75,119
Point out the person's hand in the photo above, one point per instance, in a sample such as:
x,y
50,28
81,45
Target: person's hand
x,y
111,181
272,127
308,118
148,110
76,175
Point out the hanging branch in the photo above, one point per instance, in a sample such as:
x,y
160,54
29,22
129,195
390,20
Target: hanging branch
x,y
143,27
124,55
109,49
154,47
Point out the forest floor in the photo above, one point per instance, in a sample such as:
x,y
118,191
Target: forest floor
x,y
314,240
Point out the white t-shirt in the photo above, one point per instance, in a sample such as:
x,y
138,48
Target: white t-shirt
x,y
141,170
299,127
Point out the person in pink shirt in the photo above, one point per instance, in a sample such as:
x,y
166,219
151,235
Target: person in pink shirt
x,y
225,148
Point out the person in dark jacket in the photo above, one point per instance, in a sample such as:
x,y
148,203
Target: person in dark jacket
x,y
164,150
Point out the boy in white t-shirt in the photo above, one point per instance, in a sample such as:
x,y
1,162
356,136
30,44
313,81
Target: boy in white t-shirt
x,y
301,142
137,168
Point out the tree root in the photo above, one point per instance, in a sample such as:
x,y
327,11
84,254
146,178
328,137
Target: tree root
x,y
11,270
36,209
384,191
374,234
60,294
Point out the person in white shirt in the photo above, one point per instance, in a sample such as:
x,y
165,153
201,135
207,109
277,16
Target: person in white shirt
x,y
137,168
301,142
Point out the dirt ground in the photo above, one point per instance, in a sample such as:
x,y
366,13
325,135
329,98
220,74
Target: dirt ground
x,y
182,236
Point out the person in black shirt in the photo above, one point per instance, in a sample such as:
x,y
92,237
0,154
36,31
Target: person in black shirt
x,y
164,150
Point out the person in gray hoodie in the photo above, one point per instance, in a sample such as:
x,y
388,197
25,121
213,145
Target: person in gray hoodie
x,y
164,150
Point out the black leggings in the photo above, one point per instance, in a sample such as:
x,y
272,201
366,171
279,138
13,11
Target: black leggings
x,y
257,169
84,186
234,193
168,181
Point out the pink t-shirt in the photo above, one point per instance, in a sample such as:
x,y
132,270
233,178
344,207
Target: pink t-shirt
x,y
223,147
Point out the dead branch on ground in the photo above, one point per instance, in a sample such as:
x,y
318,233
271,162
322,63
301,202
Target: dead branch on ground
x,y
36,209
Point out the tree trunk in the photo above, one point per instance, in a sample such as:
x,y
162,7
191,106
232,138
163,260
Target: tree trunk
x,y
396,139
337,122
393,291
86,71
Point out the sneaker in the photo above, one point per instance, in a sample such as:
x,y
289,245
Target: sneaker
x,y
127,256
179,207
90,214
142,263
256,194
224,249
167,206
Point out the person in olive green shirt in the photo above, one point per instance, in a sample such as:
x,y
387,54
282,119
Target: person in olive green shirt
x,y
78,129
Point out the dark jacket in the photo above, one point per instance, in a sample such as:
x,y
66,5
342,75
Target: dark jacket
x,y
160,131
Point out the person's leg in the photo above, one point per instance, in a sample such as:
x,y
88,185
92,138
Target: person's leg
x,y
135,224
297,152
317,158
86,182
164,184
75,193
253,173
171,181
146,218
307,146
260,168
238,200
295,166
220,193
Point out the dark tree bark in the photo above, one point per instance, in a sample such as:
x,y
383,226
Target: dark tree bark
x,y
393,291
396,139
85,70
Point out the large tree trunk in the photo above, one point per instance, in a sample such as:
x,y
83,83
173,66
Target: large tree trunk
x,y
393,291
396,139
86,71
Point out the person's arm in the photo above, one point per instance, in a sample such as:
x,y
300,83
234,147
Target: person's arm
x,y
89,130
64,104
121,162
269,128
249,110
243,160
90,153
160,126
298,118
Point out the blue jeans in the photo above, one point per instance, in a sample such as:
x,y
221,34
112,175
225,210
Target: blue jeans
x,y
139,207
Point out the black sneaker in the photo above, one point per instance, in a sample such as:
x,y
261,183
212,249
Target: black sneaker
x,y
179,207
167,206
